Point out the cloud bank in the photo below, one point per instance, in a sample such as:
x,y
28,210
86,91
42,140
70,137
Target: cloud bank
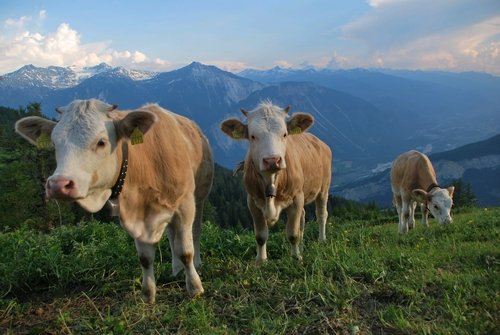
x,y
20,45
457,35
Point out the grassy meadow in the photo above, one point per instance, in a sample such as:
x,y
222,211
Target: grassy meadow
x,y
365,279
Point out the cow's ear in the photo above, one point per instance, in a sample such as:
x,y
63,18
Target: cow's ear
x,y
138,120
451,190
299,122
35,129
419,195
235,129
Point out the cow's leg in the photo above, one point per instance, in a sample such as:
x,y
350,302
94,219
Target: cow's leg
x,y
302,223
197,232
396,200
260,229
183,245
425,215
322,214
294,213
411,218
405,216
146,252
177,265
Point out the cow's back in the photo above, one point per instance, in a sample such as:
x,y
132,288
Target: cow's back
x,y
411,170
174,160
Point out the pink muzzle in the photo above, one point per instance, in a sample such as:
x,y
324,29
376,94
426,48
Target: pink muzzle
x,y
61,187
273,163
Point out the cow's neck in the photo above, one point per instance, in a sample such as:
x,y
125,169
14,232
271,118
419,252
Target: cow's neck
x,y
113,201
266,187
267,184
431,187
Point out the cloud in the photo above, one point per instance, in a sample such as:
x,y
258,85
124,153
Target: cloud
x,y
24,21
19,23
378,3
427,34
231,66
336,61
21,45
283,63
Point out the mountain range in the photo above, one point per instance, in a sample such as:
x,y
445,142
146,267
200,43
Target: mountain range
x,y
366,116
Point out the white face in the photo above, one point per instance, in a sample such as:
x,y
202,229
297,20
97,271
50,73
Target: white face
x,y
85,141
439,204
267,134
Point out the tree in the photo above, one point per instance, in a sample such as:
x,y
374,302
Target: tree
x,y
463,195
24,170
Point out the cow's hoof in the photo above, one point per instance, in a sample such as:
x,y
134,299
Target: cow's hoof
x,y
148,299
260,262
149,295
196,293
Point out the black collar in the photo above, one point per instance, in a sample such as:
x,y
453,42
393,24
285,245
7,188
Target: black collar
x,y
431,186
117,188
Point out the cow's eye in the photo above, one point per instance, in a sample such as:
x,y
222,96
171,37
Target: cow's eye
x,y
284,135
436,207
101,143
252,137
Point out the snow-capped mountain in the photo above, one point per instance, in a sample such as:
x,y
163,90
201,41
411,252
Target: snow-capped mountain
x,y
56,77
279,74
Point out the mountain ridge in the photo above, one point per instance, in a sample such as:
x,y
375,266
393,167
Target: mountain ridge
x,y
367,117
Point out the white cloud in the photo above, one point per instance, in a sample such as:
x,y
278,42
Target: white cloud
x,y
16,23
20,46
378,3
283,63
231,66
475,47
427,34
335,61
42,14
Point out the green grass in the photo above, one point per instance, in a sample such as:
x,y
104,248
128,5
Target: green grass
x,y
365,279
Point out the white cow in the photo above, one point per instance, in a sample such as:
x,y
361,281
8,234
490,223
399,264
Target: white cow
x,y
160,183
413,180
285,168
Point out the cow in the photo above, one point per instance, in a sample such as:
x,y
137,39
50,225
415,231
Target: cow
x,y
285,168
152,186
413,180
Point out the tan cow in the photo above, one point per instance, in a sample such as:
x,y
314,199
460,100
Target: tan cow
x,y
285,168
413,181
160,183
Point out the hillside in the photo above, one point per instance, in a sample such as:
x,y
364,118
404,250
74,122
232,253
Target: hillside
x,y
364,279
475,163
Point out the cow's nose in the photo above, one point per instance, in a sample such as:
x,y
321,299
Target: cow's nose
x,y
447,220
60,187
272,163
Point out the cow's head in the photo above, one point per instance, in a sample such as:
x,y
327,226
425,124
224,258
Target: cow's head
x,y
85,141
439,202
267,130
